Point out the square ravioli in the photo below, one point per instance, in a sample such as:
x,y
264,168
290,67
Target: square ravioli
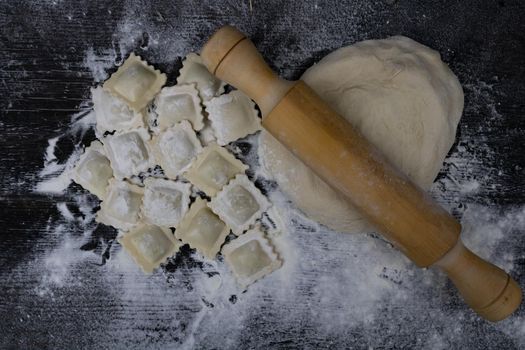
x,y
233,116
112,113
150,246
239,204
175,148
165,202
121,207
93,170
194,71
136,82
202,229
177,103
129,152
213,169
251,257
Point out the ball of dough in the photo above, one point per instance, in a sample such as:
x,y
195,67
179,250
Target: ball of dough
x,y
402,98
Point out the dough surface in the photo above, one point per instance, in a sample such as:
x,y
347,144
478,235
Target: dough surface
x,y
402,98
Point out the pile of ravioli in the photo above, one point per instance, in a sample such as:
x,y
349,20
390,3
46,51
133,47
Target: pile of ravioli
x,y
164,177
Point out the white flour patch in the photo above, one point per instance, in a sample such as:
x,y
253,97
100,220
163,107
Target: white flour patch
x,y
49,156
58,263
54,268
484,230
99,64
469,187
64,210
56,175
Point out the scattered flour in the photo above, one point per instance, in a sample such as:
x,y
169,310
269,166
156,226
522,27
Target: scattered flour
x,y
65,212
99,64
55,176
330,283
55,266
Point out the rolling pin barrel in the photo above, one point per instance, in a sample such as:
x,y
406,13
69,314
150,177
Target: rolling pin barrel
x,y
407,216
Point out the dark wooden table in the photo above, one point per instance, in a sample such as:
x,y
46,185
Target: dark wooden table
x,y
45,48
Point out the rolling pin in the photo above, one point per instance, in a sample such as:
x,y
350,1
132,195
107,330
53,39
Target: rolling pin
x,y
407,216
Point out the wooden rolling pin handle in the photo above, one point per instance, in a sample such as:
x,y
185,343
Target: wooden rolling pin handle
x,y
248,71
335,151
486,288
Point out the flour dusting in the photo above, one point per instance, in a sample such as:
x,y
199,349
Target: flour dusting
x,y
54,183
99,63
55,175
330,283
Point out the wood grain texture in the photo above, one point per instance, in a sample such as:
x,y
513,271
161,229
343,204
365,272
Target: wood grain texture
x,y
44,80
